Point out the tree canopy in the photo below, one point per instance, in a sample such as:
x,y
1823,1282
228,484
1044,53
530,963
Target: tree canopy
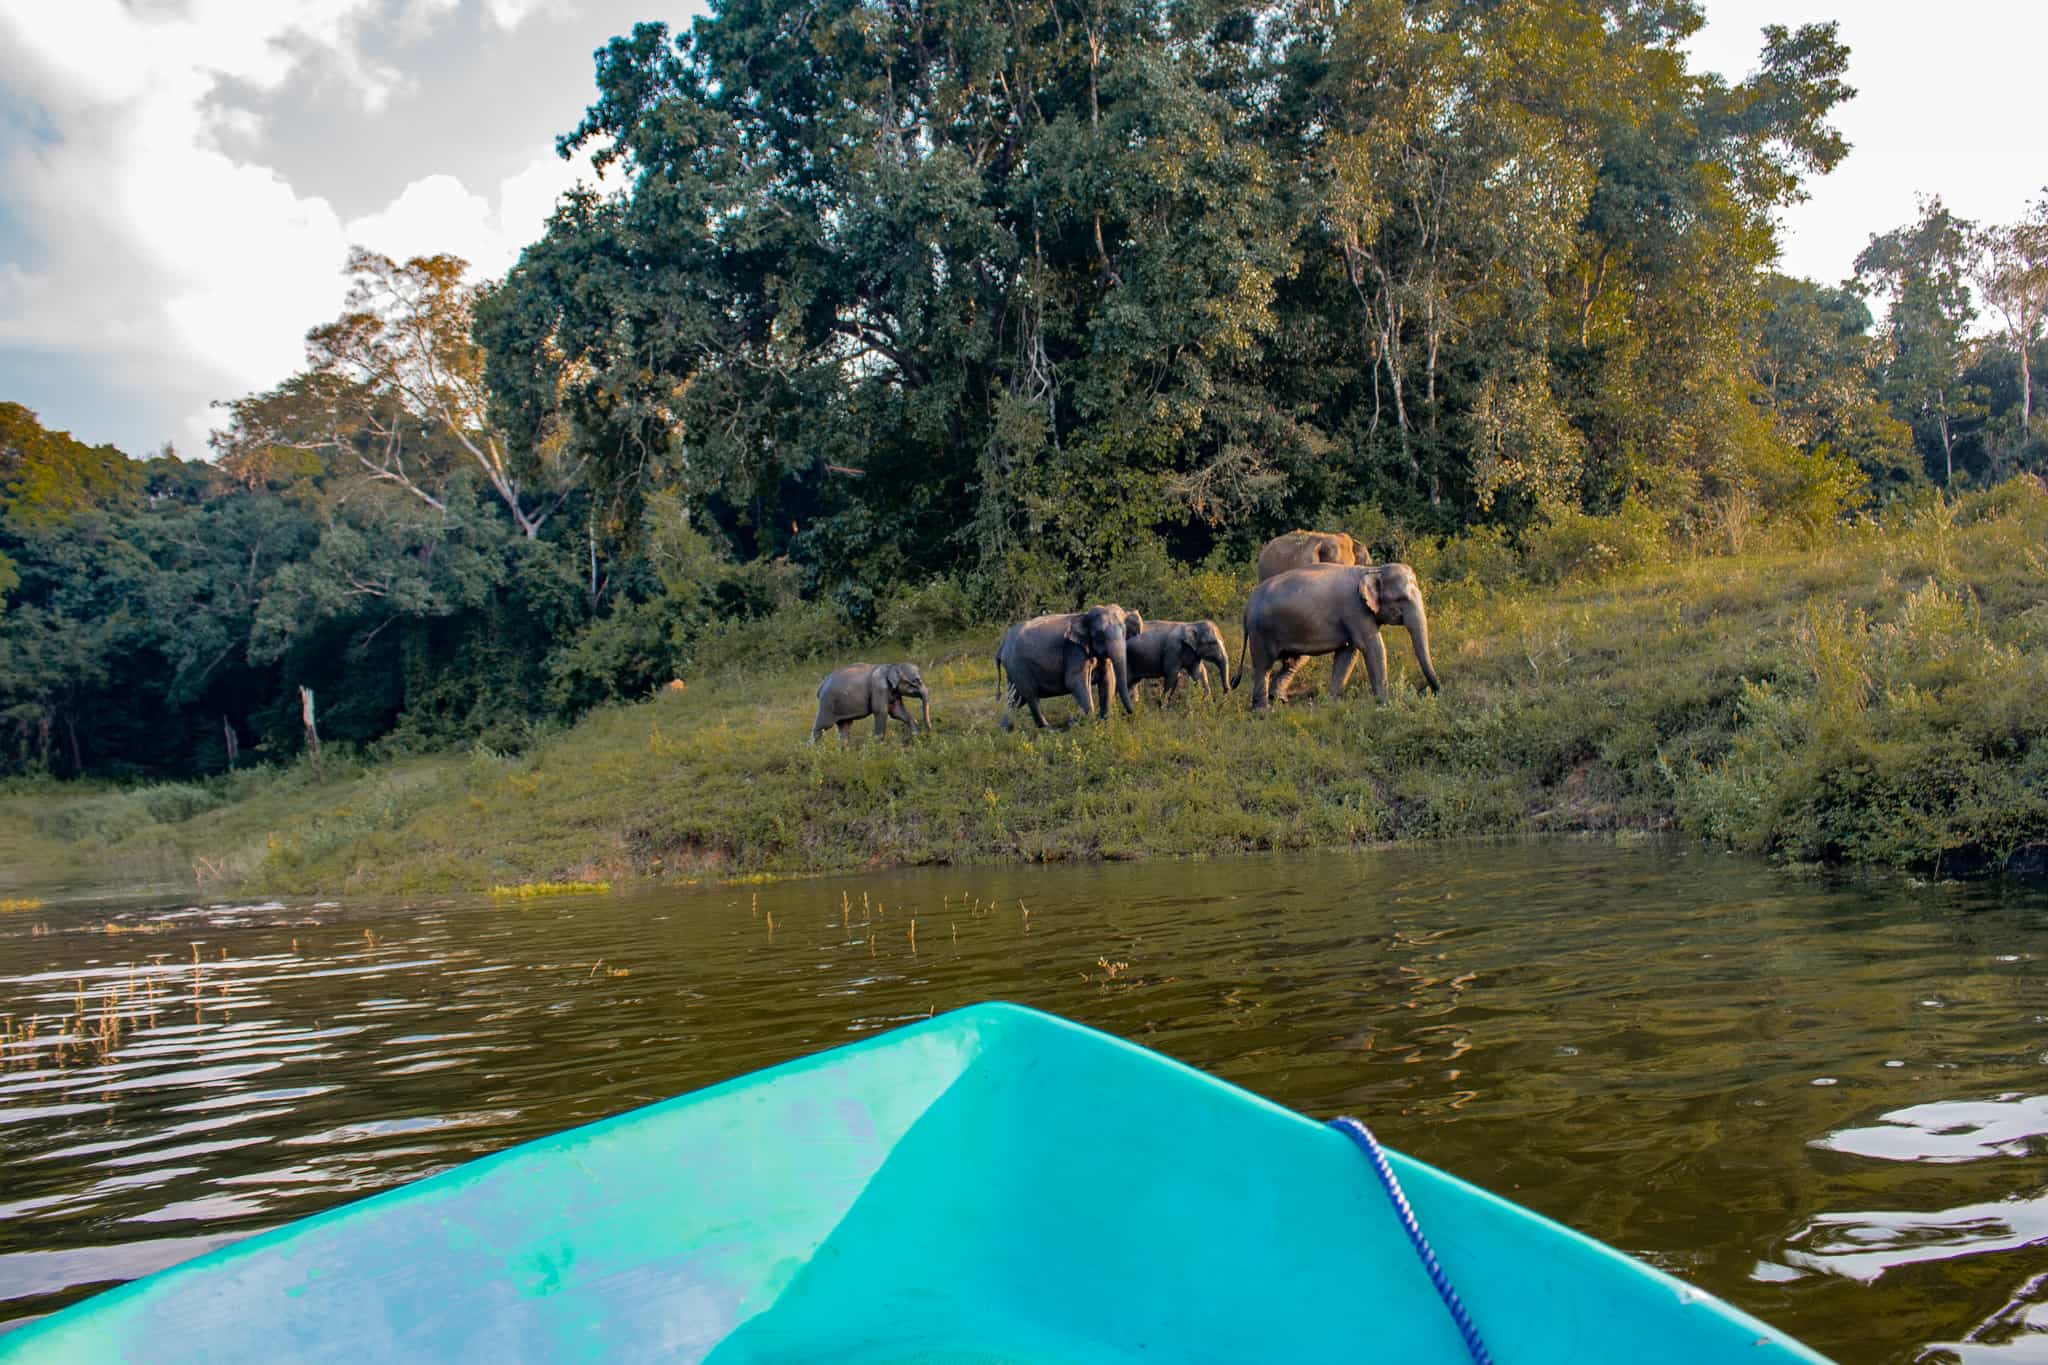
x,y
902,289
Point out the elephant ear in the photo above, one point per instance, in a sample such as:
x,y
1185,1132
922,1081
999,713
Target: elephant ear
x,y
891,675
1134,624
1369,589
1077,629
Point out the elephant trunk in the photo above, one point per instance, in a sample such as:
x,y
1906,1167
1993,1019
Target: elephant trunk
x,y
924,703
1221,658
1119,665
1417,622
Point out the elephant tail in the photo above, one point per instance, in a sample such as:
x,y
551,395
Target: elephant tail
x,y
1244,650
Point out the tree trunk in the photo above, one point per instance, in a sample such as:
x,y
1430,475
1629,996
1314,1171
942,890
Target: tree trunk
x,y
312,732
1948,452
234,746
2026,394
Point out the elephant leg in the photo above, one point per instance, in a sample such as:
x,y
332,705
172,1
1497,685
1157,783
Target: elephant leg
x,y
1375,663
845,733
818,725
900,712
1202,677
1294,666
1340,669
1289,666
1036,714
1261,667
882,723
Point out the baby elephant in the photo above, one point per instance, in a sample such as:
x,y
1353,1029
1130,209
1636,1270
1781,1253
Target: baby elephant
x,y
874,690
1169,649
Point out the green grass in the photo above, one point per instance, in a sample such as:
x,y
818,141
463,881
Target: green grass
x,y
1881,697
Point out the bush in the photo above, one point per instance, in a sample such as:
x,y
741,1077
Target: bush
x,y
111,817
1575,544
626,654
938,608
1147,581
1482,556
799,633
1023,583
1813,492
2023,497
1391,540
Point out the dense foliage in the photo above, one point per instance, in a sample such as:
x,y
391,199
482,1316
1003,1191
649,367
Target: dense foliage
x,y
893,317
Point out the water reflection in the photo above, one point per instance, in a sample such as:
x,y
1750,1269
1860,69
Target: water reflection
x,y
1863,1246
2016,1334
1703,1061
1949,1130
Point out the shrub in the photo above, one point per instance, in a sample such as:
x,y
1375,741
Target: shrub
x,y
1148,582
1575,544
938,608
1391,540
1481,555
2022,497
1812,492
626,654
799,633
1023,583
111,817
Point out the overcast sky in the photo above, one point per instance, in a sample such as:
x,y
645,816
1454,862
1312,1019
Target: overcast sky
x,y
180,180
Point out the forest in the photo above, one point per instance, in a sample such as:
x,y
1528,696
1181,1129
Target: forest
x,y
886,320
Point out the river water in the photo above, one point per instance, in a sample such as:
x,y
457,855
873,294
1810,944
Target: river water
x,y
1825,1101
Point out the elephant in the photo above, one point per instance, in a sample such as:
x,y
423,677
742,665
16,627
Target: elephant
x,y
1334,609
859,690
1301,549
1167,649
1061,655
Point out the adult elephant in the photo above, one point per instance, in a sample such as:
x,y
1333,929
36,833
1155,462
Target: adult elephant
x,y
858,690
1334,609
1059,655
1305,549
1169,649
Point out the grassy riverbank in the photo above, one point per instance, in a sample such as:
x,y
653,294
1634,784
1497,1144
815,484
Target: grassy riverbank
x,y
1881,697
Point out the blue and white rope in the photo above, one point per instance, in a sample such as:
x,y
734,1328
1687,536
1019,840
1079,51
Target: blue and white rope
x,y
1370,1145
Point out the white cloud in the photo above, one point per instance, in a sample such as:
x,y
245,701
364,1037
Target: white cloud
x,y
526,200
509,14
432,215
440,214
159,252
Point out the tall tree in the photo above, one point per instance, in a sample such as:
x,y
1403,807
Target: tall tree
x,y
2011,272
1815,363
394,392
1922,273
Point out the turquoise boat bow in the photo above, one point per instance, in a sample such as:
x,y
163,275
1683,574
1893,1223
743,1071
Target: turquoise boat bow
x,y
994,1184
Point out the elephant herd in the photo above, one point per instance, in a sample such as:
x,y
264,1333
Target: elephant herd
x,y
1317,593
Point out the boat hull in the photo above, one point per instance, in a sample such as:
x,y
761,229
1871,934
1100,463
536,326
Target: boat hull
x,y
993,1184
